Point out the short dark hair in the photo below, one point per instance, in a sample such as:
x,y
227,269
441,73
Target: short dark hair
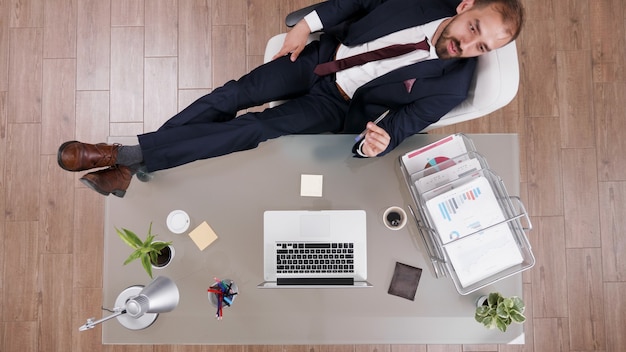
x,y
512,13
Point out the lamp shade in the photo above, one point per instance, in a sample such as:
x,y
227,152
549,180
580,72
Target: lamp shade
x,y
160,296
137,307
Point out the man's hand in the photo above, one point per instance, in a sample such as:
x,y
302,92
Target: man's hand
x,y
295,41
376,140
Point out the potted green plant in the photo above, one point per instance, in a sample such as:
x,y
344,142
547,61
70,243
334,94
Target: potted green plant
x,y
498,311
151,252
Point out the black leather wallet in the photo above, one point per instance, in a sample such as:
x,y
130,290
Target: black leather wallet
x,y
404,281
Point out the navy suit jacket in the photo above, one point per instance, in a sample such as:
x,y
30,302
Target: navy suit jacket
x,y
418,95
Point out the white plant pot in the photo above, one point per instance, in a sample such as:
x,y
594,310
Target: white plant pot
x,y
167,262
482,300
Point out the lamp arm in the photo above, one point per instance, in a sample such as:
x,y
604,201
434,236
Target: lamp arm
x,y
90,324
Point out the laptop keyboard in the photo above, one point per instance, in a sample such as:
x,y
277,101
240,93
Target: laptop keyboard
x,y
298,257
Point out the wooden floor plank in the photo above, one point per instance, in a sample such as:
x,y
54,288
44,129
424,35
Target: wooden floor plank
x,y
538,69
332,348
575,83
92,116
552,334
408,348
128,348
572,24
25,75
610,126
161,28
585,299
26,13
549,275
88,239
612,223
444,348
480,348
59,103
188,96
21,257
161,95
545,189
2,282
22,172
60,29
127,74
3,156
194,44
608,40
615,306
127,13
86,303
56,301
372,348
228,64
580,180
93,45
264,21
21,336
229,12
56,217
4,46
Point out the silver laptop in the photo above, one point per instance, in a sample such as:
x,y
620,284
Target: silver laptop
x,y
306,248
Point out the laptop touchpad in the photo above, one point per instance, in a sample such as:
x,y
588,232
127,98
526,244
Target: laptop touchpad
x,y
317,225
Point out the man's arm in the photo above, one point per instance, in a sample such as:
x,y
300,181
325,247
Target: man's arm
x,y
326,15
405,122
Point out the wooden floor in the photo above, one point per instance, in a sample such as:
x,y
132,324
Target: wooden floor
x,y
87,69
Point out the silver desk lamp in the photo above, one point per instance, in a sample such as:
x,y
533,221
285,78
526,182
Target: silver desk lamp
x,y
137,307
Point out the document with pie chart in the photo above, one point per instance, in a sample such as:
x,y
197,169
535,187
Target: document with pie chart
x,y
435,153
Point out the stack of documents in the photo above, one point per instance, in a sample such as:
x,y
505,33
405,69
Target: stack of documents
x,y
464,205
464,211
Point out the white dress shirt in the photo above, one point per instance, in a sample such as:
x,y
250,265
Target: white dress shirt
x,y
352,78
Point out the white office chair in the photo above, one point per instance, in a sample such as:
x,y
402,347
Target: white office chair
x,y
494,85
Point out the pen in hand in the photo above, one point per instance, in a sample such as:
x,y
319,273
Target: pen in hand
x,y
380,118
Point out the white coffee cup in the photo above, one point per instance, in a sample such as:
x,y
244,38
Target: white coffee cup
x,y
178,221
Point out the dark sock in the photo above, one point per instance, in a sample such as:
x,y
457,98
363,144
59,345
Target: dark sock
x,y
134,168
129,155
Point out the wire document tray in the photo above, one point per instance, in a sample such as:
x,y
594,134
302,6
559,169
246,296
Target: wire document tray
x,y
473,231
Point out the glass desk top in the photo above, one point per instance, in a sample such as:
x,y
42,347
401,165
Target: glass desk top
x,y
231,193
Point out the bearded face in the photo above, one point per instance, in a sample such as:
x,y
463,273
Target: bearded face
x,y
472,32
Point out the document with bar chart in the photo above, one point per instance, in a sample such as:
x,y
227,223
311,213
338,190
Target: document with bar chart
x,y
467,209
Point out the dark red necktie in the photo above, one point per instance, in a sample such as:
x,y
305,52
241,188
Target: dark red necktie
x,y
363,58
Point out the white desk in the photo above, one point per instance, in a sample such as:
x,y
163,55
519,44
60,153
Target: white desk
x,y
232,192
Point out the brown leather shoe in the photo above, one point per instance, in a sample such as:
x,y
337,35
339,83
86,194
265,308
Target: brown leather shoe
x,y
115,179
77,156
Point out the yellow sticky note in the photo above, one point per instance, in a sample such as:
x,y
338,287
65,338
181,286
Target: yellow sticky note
x,y
203,235
311,185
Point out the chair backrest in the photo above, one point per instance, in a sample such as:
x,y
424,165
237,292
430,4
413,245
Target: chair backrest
x,y
494,85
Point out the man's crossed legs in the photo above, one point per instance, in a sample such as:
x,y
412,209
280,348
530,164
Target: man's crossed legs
x,y
209,126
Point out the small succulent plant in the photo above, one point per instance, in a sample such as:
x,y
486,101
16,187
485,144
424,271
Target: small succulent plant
x,y
500,312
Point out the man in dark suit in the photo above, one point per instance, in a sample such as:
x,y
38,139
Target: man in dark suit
x,y
417,87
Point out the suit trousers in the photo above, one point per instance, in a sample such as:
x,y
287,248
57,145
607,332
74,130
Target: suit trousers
x,y
209,126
